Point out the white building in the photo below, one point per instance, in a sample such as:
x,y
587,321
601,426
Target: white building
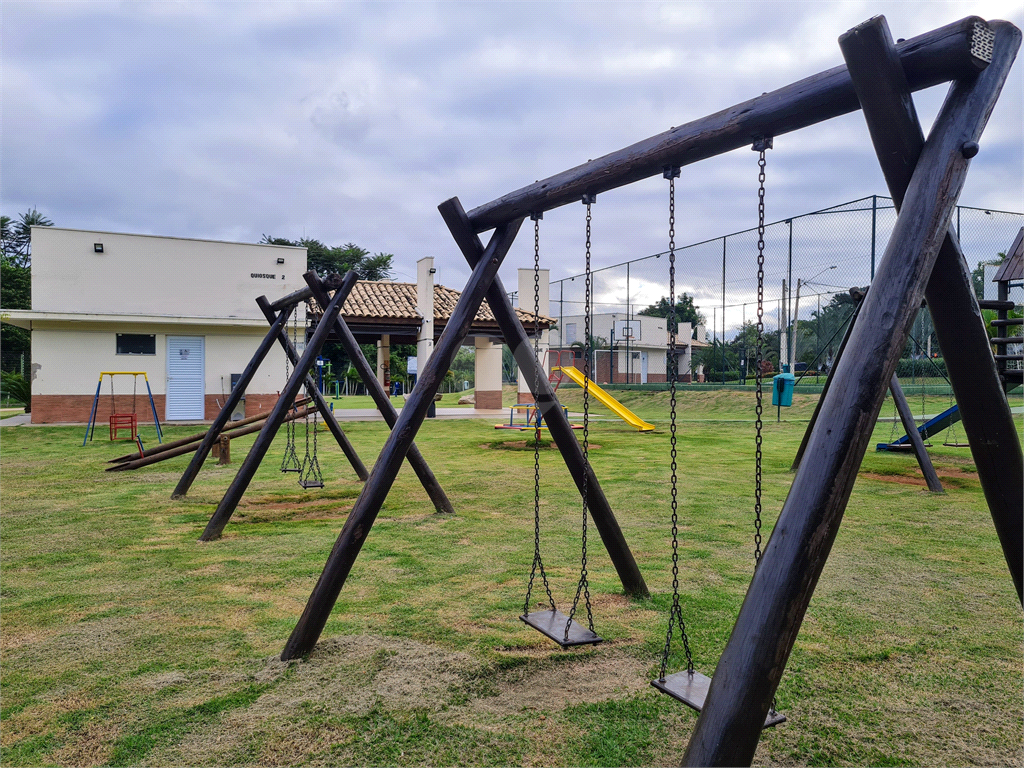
x,y
182,310
632,349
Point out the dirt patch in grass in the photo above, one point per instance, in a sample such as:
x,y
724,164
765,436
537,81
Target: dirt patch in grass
x,y
343,677
92,745
944,474
523,445
307,510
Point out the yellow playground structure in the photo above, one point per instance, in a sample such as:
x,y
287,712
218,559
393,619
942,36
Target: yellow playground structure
x,y
609,402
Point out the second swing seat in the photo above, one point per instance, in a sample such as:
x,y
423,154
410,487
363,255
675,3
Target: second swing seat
x,y
691,688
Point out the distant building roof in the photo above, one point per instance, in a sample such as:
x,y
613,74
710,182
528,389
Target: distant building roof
x,y
1012,267
375,307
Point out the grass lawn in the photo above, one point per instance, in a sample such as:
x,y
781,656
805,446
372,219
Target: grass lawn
x,y
6,413
126,642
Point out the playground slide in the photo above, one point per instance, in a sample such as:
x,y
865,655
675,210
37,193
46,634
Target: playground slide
x,y
926,430
607,400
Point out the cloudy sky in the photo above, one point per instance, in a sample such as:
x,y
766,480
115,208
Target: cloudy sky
x,y
352,121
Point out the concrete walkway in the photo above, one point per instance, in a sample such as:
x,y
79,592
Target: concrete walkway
x,y
341,414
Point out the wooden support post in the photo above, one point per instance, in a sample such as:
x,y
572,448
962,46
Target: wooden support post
x,y
210,439
755,656
959,327
262,444
907,417
935,57
383,402
224,452
364,511
314,393
558,423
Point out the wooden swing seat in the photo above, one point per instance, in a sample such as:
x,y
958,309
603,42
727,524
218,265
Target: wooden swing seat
x,y
307,484
552,624
691,688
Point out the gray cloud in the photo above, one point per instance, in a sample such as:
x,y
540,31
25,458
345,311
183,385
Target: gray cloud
x,y
351,122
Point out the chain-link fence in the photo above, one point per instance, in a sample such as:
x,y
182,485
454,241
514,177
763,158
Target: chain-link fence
x,y
811,262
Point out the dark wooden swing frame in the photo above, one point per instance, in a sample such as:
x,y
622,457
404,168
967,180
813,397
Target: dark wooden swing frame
x,y
922,259
277,314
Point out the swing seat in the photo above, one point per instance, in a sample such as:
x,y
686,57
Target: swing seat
x,y
691,688
291,469
119,421
307,484
552,624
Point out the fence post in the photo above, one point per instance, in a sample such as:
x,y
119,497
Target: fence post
x,y
874,229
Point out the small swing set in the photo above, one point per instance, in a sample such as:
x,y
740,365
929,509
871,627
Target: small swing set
x,y
123,420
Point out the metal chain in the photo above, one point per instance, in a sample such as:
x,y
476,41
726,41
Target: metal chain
x,y
760,146
584,585
758,374
676,614
290,460
538,564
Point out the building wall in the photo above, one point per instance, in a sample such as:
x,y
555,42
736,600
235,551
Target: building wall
x,y
67,360
144,275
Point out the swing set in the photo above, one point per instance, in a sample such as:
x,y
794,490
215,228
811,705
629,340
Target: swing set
x,y
122,420
922,258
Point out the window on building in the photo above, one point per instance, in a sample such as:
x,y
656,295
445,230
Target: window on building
x,y
570,333
136,344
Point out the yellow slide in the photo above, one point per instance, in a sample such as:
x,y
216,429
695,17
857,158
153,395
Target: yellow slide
x,y
607,400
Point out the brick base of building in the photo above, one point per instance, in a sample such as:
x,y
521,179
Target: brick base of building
x,y
64,409
525,397
488,400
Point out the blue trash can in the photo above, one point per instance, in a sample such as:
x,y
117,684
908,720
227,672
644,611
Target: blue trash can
x,y
782,388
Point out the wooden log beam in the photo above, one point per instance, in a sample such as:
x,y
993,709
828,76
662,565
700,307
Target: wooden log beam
x,y
384,405
749,670
196,437
907,417
988,423
331,283
364,511
936,57
558,423
181,450
277,415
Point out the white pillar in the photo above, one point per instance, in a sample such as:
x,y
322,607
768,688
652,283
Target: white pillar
x,y
384,361
526,304
425,306
487,367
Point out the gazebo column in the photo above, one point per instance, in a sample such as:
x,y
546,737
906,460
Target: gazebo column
x,y
384,361
487,368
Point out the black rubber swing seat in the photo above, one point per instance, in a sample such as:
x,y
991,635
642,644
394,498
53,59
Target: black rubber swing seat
x,y
296,469
307,484
552,624
691,688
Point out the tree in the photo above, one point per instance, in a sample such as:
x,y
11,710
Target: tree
x,y
16,237
16,274
686,312
978,274
328,260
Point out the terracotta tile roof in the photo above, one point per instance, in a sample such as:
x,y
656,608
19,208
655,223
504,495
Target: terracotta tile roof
x,y
387,302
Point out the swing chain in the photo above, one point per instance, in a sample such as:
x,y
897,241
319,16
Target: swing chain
x,y
760,146
676,614
290,460
538,563
584,585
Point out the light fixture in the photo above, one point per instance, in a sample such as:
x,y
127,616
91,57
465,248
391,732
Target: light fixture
x,y
97,247
280,261
433,271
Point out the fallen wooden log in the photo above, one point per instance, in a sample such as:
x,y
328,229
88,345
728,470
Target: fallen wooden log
x,y
163,447
181,450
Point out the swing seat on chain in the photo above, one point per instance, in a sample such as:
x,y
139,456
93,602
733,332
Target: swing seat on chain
x,y
551,623
311,483
691,688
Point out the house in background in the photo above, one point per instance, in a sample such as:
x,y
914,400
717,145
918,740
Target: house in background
x,y
630,349
183,310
